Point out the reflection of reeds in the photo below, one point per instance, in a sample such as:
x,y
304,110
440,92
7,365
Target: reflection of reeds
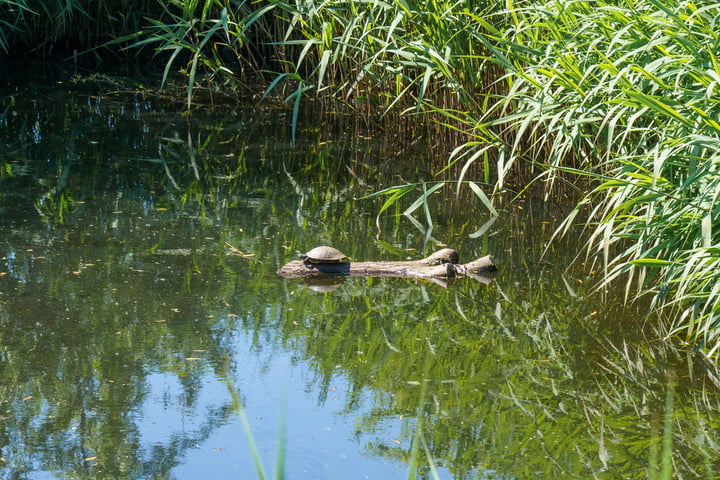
x,y
672,431
623,95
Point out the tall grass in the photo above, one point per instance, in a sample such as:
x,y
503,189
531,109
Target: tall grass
x,y
48,29
624,94
379,57
628,95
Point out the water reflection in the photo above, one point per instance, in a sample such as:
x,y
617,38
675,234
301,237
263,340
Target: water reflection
x,y
134,343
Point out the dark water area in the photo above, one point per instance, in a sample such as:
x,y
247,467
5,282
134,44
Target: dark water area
x,y
135,343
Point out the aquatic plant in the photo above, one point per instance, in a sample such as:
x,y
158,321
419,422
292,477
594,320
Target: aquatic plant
x,y
628,94
42,28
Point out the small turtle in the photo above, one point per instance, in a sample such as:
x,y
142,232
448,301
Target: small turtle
x,y
324,254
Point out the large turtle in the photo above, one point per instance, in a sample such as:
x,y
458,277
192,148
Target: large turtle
x,y
324,254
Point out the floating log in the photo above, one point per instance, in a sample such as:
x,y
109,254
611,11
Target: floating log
x,y
440,265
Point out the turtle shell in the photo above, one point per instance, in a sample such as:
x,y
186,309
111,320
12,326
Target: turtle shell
x,y
325,254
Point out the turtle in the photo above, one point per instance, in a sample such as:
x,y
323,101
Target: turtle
x,y
324,254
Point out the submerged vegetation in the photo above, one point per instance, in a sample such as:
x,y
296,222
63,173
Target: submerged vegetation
x,y
618,100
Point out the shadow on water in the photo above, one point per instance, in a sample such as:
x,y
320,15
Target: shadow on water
x,y
131,337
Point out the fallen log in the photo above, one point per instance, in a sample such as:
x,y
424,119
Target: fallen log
x,y
439,265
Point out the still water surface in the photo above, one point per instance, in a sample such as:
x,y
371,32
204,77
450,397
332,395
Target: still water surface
x,y
135,344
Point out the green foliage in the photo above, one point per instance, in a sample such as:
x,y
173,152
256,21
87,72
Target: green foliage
x,y
42,28
623,95
210,37
379,57
636,108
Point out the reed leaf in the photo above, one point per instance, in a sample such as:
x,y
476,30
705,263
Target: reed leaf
x,y
483,198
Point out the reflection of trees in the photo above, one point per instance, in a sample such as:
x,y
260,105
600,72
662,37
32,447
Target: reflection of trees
x,y
88,308
526,384
116,267
79,335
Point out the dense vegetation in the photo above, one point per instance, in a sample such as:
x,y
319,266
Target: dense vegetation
x,y
621,94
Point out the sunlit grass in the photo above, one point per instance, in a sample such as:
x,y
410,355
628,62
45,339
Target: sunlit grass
x,y
634,109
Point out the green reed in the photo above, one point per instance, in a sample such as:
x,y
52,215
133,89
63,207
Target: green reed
x,y
629,97
48,29
624,95
378,57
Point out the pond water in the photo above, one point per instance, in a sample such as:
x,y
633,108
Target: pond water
x,y
135,343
